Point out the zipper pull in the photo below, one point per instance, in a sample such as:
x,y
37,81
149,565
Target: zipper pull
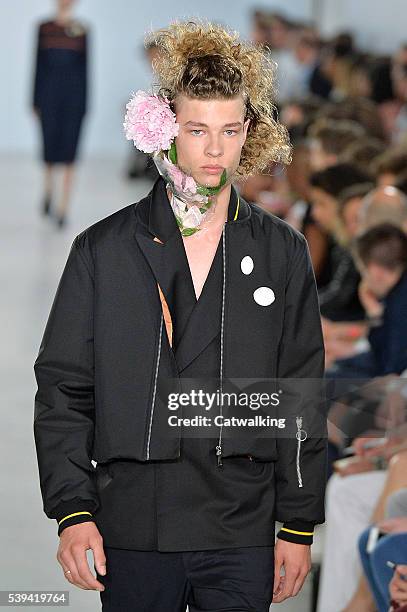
x,y
219,455
301,434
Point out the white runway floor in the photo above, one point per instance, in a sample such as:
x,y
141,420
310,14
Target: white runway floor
x,y
33,253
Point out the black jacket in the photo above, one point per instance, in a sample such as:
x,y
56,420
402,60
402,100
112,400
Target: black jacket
x,y
105,350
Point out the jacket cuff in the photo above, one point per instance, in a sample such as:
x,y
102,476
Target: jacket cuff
x,y
72,513
298,532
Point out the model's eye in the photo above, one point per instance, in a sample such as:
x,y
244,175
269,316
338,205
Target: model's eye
x,y
230,132
194,132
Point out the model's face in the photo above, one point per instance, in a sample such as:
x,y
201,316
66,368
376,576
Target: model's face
x,y
324,209
211,136
380,280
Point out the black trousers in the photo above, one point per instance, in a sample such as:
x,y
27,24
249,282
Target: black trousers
x,y
231,579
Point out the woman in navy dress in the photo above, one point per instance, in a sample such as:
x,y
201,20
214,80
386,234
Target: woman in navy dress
x,y
60,97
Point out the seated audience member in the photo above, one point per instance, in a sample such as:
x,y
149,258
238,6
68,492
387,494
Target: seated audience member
x,y
335,62
298,114
343,339
385,541
350,204
385,204
307,53
394,113
389,165
260,28
360,77
355,499
360,110
328,139
338,290
381,254
363,153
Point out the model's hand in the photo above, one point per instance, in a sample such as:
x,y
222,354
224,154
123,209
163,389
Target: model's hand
x,y
296,559
398,584
74,542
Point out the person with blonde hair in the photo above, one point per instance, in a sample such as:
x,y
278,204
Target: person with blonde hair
x,y
183,295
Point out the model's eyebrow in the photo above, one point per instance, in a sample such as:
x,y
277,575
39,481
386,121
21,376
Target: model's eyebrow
x,y
227,125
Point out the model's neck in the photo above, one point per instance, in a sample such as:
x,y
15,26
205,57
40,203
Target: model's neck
x,y
220,213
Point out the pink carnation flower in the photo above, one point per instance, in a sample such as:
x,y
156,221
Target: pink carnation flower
x,y
150,122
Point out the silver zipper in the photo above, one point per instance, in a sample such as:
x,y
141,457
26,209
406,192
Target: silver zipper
x,y
301,436
219,446
155,389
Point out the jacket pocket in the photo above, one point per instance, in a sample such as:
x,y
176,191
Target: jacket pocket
x,y
301,436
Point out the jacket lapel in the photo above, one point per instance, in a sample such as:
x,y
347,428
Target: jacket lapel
x,y
160,241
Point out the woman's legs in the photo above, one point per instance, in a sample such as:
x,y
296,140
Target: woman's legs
x,y
67,180
350,501
48,188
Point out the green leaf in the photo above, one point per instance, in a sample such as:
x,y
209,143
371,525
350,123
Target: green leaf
x,y
188,231
211,191
172,153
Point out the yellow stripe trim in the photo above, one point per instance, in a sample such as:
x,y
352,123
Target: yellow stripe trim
x,y
237,209
297,532
74,514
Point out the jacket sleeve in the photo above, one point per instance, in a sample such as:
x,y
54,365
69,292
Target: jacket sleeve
x,y
301,468
64,411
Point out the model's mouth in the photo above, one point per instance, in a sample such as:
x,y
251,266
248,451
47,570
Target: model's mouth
x,y
213,169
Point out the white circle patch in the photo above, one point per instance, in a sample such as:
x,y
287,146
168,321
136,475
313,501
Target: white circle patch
x,y
247,265
264,296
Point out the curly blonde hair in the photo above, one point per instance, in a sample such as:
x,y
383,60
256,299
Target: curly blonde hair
x,y
204,60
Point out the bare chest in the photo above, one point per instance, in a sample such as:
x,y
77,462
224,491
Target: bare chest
x,y
200,251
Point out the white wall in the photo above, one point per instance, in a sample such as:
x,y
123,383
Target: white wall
x,y
117,62
377,25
